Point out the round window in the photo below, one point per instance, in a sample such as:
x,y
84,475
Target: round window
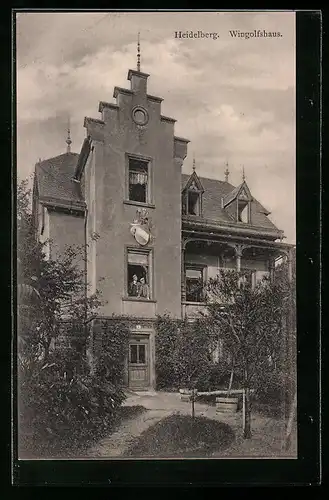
x,y
140,116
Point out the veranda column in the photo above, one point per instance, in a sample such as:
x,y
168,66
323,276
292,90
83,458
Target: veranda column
x,y
271,268
238,255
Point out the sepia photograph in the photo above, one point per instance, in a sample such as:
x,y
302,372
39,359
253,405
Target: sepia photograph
x,y
156,235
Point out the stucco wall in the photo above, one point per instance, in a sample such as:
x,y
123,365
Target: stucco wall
x,y
44,234
122,136
65,230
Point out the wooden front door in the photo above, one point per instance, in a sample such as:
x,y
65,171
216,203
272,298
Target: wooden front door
x,y
138,363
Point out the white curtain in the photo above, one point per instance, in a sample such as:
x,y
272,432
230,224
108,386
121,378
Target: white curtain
x,y
137,178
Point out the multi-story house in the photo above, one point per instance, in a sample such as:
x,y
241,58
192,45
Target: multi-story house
x,y
149,231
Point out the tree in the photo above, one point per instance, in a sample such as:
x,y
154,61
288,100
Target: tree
x,y
59,400
59,285
250,322
192,354
287,279
192,357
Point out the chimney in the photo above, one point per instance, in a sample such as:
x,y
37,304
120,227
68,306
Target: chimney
x,y
138,81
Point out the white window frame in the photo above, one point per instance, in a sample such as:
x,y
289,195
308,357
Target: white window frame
x,y
149,192
149,253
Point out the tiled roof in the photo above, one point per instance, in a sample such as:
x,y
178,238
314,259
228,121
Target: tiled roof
x,y
54,179
231,195
214,191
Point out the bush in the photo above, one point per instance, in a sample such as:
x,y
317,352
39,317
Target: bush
x,y
219,377
60,409
183,356
192,356
165,340
111,348
274,393
61,405
182,436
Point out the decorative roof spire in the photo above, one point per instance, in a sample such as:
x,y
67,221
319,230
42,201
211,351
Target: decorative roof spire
x,y
193,162
138,54
227,172
68,140
243,174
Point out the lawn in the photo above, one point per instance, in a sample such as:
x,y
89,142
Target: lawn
x,y
182,436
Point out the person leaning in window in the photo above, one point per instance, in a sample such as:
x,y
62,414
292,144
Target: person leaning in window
x,y
143,289
134,287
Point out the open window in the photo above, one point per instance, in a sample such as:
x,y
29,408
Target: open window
x,y
194,283
138,179
243,205
238,203
139,274
243,210
193,203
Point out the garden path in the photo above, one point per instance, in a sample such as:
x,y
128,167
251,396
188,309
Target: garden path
x,y
267,432
158,405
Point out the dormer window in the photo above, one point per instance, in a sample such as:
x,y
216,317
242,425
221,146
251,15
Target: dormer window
x,y
193,203
243,211
192,197
238,203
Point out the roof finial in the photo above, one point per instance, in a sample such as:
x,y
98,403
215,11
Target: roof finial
x,y
193,162
243,174
68,140
138,54
227,172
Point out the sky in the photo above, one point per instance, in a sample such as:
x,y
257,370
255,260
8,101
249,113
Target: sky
x,y
232,97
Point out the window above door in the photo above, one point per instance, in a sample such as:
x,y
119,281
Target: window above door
x,y
137,354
